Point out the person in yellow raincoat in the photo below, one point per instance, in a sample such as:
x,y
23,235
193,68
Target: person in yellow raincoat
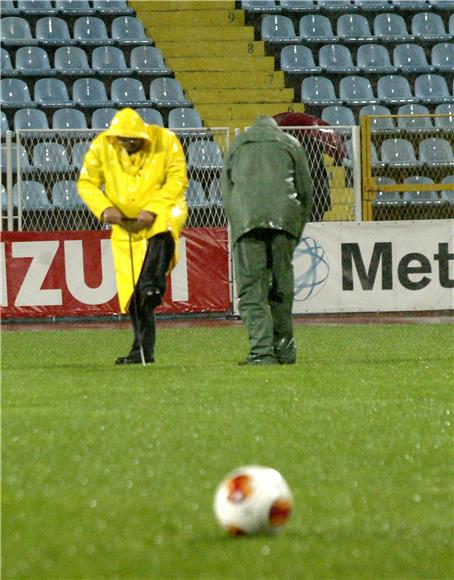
x,y
134,178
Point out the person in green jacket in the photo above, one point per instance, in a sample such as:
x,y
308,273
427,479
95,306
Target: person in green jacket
x,y
267,193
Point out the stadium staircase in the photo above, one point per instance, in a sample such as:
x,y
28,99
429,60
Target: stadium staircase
x,y
213,54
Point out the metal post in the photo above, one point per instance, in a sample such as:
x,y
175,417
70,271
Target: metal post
x,y
356,146
9,178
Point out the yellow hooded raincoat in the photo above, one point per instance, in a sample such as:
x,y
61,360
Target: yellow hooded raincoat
x,y
153,179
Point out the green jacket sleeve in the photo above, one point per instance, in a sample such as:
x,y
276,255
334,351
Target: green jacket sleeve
x,y
303,182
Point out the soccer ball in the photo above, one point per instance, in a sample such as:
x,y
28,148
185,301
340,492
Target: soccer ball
x,y
253,499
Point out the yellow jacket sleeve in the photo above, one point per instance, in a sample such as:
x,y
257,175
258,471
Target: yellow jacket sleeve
x,y
90,180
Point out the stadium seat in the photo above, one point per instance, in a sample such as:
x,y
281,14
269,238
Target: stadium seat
x,y
9,9
316,28
6,66
68,119
447,195
428,26
337,6
33,61
356,90
91,31
214,193
151,116
129,30
350,156
436,152
443,56
78,153
354,28
17,151
299,6
14,94
446,123
50,157
72,61
148,60
127,92
74,7
33,195
36,7
110,61
420,197
336,58
389,27
451,25
442,5
167,92
266,6
318,90
432,88
414,121
101,118
398,153
338,115
53,31
394,89
278,29
372,5
90,93
409,5
4,125
378,123
66,196
411,58
15,31
204,155
386,199
117,7
195,195
298,59
184,118
374,58
52,93
30,119
5,199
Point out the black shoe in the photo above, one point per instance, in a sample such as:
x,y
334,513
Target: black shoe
x,y
151,299
256,360
132,360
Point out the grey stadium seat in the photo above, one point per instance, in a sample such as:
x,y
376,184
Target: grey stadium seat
x,y
354,28
33,61
15,31
118,7
6,65
428,26
34,196
316,28
53,31
129,30
378,123
398,153
337,6
78,153
68,119
336,58
318,90
9,9
4,125
436,151
16,151
420,197
391,27
184,118
338,115
299,6
394,89
91,31
414,122
167,92
446,123
195,194
356,90
204,154
266,6
90,93
127,92
66,196
74,7
36,7
443,56
410,5
447,195
50,157
72,61
298,59
109,60
279,29
30,119
151,116
51,93
372,5
14,94
148,60
432,88
101,118
374,58
411,58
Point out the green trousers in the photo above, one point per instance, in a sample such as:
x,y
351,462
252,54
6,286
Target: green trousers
x,y
264,276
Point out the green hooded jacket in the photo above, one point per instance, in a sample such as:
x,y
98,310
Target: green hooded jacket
x,y
266,182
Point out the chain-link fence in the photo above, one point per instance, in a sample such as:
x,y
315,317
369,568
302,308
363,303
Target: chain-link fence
x,y
41,168
408,167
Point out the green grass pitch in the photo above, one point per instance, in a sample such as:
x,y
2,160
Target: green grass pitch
x,y
109,472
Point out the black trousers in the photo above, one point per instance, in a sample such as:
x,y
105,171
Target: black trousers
x,y
153,275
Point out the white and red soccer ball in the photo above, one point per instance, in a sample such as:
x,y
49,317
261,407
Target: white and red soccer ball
x,y
252,500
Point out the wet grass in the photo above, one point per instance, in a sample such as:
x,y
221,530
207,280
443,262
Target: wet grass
x,y
110,472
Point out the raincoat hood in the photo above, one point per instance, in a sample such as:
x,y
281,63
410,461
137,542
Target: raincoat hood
x,y
128,123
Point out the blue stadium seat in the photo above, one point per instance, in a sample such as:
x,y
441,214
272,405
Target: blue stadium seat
x,y
74,8
338,115
36,7
52,93
78,153
33,61
432,88
266,6
204,155
318,90
90,93
110,61
6,66
50,157
399,153
167,92
91,31
30,119
446,123
316,28
129,30
33,195
278,29
195,195
148,60
15,31
350,156
184,118
378,123
356,90
428,26
420,197
297,59
101,118
443,56
127,92
116,7
151,116
414,121
66,196
68,119
391,27
386,199
436,152
394,90
72,61
374,58
336,58
354,28
53,31
14,94
411,58
17,151
299,6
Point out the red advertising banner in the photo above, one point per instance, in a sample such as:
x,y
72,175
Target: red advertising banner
x,y
66,274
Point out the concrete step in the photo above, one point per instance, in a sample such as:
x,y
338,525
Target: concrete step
x,y
220,33
200,18
245,111
214,80
212,48
207,96
221,64
166,5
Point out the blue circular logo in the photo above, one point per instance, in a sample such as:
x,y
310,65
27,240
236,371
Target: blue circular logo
x,y
311,269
